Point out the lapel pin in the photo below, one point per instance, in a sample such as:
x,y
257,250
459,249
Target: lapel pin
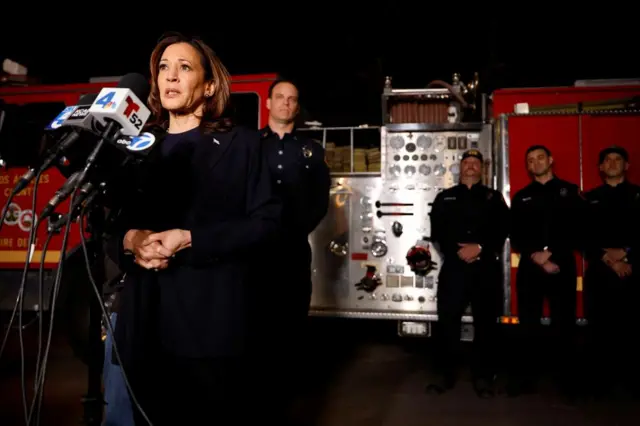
x,y
306,152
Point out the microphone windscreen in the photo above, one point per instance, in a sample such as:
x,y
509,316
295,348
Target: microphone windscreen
x,y
87,99
137,83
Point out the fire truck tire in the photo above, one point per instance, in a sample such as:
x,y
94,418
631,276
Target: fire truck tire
x,y
78,293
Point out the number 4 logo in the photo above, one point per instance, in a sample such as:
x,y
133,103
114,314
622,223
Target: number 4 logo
x,y
106,100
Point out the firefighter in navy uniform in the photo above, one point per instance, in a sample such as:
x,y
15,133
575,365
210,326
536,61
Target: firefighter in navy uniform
x,y
611,281
469,225
545,230
301,178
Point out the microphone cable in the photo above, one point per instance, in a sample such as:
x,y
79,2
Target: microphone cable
x,y
39,380
19,305
105,315
41,268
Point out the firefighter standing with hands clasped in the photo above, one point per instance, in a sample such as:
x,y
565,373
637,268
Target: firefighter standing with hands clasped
x,y
545,231
611,283
469,225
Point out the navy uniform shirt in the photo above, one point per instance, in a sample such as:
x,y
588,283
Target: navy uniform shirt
x,y
613,213
477,215
300,178
547,216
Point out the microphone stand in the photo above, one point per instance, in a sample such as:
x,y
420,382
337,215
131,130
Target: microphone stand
x,y
93,400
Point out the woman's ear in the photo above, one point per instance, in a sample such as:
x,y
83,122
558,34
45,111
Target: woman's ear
x,y
209,89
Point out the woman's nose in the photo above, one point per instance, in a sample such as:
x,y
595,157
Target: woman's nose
x,y
172,75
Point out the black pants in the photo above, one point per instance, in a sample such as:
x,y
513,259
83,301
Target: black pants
x,y
461,284
281,351
611,307
533,285
181,391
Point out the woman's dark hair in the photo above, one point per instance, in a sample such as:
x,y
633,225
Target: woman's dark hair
x,y
214,106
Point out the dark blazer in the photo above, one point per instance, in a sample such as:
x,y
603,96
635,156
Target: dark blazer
x,y
218,187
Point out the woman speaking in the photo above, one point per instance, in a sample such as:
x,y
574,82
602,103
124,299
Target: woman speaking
x,y
190,234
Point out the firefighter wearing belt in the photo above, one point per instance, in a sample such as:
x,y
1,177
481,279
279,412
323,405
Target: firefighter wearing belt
x,y
611,285
469,225
300,177
545,231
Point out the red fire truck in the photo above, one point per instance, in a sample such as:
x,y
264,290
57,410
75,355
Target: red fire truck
x,y
575,123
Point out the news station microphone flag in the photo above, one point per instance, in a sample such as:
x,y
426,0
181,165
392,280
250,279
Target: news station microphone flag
x,y
115,112
122,106
58,149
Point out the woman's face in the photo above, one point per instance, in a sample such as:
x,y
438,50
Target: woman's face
x,y
181,79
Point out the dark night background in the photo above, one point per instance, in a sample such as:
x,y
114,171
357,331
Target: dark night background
x,y
340,61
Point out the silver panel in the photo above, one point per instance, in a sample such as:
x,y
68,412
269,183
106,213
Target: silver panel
x,y
415,167
501,168
330,248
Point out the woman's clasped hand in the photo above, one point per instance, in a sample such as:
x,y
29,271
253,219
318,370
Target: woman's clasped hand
x,y
154,250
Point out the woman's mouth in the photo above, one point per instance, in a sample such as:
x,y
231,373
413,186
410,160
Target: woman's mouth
x,y
171,93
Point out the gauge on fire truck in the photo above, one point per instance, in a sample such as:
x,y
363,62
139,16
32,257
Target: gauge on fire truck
x,y
396,142
379,249
424,142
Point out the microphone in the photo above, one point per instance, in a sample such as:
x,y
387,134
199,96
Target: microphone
x,y
109,188
85,101
60,118
81,118
63,119
119,111
122,105
61,194
137,145
85,197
